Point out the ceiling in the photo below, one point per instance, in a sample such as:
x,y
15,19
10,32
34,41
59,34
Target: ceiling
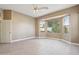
x,y
27,9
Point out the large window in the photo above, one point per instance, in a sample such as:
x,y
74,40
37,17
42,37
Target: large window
x,y
54,25
66,24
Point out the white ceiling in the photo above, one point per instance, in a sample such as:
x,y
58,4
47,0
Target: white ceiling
x,y
27,9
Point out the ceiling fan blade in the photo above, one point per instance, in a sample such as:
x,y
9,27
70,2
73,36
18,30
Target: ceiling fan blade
x,y
43,8
35,7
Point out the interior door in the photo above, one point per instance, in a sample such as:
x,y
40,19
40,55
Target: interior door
x,y
5,31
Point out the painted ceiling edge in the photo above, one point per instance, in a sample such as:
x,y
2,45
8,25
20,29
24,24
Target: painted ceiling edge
x,y
40,17
17,12
23,14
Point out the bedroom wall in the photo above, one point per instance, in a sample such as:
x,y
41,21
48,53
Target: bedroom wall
x,y
1,14
23,26
36,27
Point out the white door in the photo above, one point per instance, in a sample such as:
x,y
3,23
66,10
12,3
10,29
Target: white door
x,y
5,31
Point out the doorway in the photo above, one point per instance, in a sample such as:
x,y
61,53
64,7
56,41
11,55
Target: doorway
x,y
5,31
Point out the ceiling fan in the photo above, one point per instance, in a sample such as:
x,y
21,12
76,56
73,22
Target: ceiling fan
x,y
36,7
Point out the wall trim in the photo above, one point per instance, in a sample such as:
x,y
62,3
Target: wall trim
x,y
69,42
22,39
66,41
27,39
44,38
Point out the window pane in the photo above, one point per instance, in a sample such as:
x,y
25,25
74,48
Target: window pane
x,y
54,26
66,24
42,25
49,29
66,20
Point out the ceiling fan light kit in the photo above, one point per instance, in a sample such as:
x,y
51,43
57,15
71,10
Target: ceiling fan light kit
x,y
36,9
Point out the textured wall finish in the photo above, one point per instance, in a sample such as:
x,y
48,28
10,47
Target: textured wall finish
x,y
22,26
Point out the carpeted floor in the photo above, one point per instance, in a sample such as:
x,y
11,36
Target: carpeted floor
x,y
39,47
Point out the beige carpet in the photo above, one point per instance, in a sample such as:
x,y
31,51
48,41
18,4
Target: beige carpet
x,y
39,47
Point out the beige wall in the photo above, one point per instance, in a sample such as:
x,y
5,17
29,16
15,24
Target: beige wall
x,y
36,27
74,21
22,26
1,14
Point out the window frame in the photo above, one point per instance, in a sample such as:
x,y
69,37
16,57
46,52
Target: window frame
x,y
43,25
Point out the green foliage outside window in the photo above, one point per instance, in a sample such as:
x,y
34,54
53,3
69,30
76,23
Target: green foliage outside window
x,y
55,26
66,29
66,24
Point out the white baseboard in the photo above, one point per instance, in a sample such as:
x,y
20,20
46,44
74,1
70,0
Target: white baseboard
x,y
22,39
41,37
55,38
66,41
44,38
75,44
70,42
27,39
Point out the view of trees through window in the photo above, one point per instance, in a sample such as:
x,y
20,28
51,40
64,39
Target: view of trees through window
x,y
54,26
42,25
66,24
